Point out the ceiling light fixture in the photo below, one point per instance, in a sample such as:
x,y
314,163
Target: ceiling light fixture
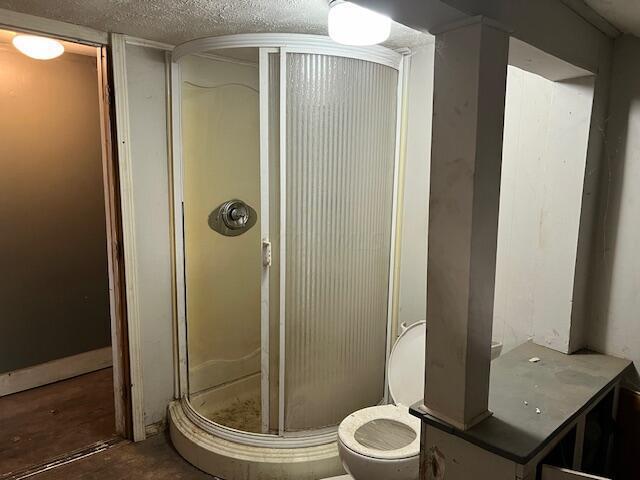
x,y
40,48
351,24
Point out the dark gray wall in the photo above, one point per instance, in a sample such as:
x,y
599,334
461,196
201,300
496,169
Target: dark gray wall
x,y
53,267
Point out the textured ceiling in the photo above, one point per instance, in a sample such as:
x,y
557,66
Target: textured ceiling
x,y
623,14
176,21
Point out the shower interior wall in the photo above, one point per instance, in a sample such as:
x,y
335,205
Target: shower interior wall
x,y
221,139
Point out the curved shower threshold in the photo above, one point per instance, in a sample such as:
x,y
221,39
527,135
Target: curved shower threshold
x,y
235,461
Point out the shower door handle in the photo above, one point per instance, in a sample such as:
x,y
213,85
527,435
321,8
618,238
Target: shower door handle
x,y
266,253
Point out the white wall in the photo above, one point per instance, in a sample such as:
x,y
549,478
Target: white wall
x,y
614,325
557,30
412,306
567,145
146,82
543,165
527,106
546,24
537,241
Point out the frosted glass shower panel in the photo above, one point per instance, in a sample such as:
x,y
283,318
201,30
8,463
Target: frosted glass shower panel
x,y
340,144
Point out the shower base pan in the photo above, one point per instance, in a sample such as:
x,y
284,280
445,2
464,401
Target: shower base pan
x,y
230,460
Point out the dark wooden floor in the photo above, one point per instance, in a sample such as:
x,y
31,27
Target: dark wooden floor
x,y
49,421
154,459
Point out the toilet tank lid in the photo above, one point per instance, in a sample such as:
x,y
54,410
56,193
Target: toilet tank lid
x,y
406,365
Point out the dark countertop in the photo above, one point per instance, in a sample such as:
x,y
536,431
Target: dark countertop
x,y
561,386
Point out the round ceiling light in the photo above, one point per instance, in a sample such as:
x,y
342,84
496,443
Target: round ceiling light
x,y
351,24
40,48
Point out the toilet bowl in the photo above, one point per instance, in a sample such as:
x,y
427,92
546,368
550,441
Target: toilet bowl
x,y
383,442
380,443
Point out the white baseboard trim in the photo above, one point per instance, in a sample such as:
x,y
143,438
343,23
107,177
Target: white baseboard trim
x,y
55,370
155,428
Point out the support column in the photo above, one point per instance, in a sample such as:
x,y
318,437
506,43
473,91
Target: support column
x,y
468,119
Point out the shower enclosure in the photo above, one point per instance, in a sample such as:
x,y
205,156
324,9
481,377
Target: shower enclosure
x,y
285,182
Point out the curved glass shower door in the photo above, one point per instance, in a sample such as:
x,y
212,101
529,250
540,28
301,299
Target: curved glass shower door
x,y
288,164
340,145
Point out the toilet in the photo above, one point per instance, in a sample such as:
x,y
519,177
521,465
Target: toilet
x,y
383,442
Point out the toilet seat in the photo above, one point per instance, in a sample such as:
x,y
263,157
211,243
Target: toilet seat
x,y
351,425
406,387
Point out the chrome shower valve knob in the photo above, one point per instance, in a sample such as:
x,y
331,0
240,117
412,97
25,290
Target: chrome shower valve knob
x,y
232,218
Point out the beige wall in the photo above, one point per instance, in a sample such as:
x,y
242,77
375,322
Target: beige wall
x,y
220,128
543,165
53,288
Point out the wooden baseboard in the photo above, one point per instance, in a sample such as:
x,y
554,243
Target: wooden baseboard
x,y
55,370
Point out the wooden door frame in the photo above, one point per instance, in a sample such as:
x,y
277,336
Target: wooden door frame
x,y
113,215
126,416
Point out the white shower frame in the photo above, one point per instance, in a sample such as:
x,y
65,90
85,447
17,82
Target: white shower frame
x,y
283,44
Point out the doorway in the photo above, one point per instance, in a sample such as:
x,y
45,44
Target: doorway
x,y
61,345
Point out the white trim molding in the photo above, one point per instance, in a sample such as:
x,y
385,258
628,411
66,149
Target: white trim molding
x,y
66,31
294,43
143,42
282,339
265,235
125,167
395,224
182,367
54,371
156,428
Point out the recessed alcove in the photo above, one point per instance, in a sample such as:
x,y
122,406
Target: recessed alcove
x,y
547,124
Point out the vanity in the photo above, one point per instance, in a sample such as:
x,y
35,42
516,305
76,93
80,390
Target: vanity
x,y
552,419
